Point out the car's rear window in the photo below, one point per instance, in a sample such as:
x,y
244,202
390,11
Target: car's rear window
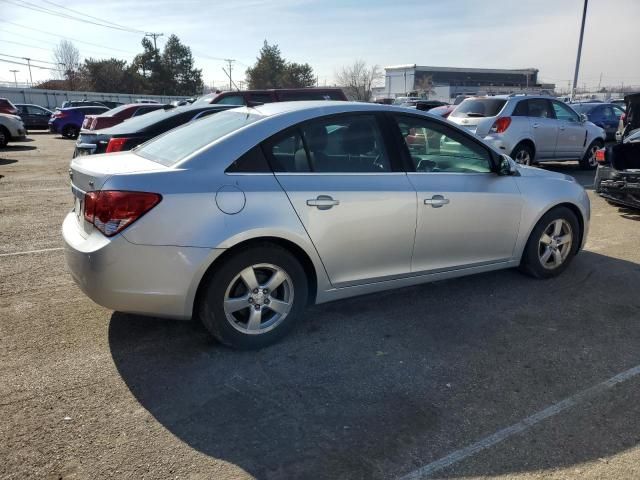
x,y
479,107
181,142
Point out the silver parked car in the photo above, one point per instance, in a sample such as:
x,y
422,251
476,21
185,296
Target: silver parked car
x,y
243,218
532,129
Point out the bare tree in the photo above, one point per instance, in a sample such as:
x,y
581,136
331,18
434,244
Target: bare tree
x,y
67,57
357,80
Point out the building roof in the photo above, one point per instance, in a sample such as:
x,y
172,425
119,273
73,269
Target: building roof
x,y
523,71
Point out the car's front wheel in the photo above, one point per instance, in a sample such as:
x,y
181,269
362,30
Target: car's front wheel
x,y
552,244
4,136
253,297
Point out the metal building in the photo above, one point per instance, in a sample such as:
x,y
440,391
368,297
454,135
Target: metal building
x,y
445,83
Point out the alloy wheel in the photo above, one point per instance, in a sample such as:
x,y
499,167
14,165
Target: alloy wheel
x,y
258,299
592,155
555,244
523,157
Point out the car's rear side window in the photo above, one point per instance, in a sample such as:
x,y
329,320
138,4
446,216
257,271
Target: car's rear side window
x,y
251,162
540,108
521,109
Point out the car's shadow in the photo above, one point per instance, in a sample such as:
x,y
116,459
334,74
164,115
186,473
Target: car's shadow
x,y
17,148
583,177
373,387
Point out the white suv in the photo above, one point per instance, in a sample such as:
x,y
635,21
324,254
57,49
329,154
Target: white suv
x,y
532,129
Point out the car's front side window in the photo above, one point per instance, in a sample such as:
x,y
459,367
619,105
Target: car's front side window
x,y
437,148
564,113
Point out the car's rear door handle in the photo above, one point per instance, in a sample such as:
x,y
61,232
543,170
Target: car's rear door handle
x,y
436,201
323,202
536,125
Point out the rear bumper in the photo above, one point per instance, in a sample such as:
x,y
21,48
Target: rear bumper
x,y
148,280
500,143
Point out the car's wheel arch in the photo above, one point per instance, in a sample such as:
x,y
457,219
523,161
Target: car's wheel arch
x,y
314,270
575,209
526,141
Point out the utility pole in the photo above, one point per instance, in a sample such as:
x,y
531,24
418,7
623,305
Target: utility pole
x,y
230,63
575,75
15,80
154,36
600,81
29,63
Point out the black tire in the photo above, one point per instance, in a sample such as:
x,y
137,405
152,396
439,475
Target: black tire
x,y
588,160
71,131
5,136
211,300
531,262
523,154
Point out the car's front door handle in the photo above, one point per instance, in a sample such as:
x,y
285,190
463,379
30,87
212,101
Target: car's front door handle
x,y
436,201
536,125
323,202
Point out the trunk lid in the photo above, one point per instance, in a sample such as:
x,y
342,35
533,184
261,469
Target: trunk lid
x,y
90,173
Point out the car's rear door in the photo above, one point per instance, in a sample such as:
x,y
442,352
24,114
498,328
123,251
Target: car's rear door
x,y
467,215
572,132
344,181
544,127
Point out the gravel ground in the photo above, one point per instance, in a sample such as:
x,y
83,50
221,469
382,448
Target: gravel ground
x,y
366,388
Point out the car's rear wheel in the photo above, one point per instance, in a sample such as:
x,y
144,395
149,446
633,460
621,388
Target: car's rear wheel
x,y
523,154
4,136
588,161
71,131
253,298
552,244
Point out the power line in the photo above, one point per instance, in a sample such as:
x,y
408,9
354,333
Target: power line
x,y
65,37
86,15
37,8
26,45
33,60
26,65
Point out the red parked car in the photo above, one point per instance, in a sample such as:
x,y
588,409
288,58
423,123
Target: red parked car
x,y
118,115
7,107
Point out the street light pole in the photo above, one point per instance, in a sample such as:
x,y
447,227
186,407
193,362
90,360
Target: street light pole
x,y
15,80
575,75
29,64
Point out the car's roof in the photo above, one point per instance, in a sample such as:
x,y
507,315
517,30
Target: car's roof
x,y
326,106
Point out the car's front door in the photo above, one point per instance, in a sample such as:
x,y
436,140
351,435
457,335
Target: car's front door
x,y
572,132
467,215
348,189
544,127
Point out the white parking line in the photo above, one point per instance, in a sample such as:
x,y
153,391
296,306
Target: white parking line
x,y
27,252
521,426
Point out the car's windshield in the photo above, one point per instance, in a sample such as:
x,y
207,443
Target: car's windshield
x,y
117,110
181,142
479,107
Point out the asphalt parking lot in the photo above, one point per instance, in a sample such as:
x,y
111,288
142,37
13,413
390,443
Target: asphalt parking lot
x,y
491,376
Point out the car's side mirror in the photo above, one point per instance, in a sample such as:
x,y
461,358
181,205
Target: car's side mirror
x,y
506,166
583,118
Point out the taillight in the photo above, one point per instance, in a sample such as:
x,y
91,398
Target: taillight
x,y
59,114
116,144
501,125
600,155
111,211
94,124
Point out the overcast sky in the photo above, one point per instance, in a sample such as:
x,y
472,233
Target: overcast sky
x,y
330,33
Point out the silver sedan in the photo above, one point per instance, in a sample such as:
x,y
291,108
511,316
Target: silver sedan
x,y
243,218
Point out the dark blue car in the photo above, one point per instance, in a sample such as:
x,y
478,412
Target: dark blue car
x,y
604,115
68,121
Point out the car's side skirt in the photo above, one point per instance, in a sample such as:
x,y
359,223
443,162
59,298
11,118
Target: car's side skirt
x,y
352,291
